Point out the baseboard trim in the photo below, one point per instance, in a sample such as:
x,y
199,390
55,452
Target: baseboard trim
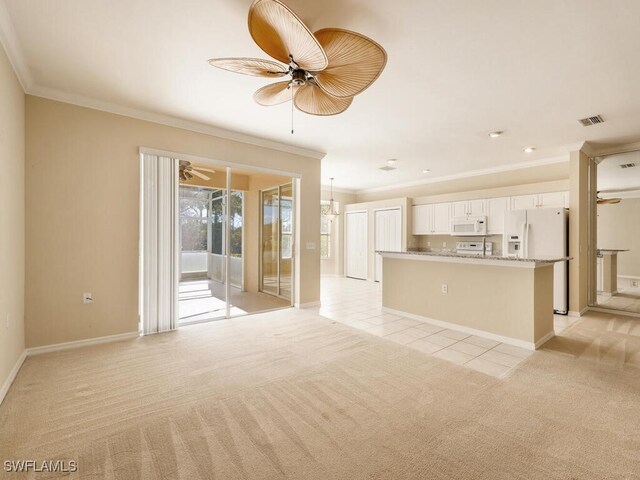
x,y
571,313
308,304
472,331
545,339
81,343
12,375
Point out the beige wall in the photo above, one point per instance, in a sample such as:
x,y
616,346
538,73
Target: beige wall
x,y
491,183
334,265
12,214
82,203
408,240
619,227
509,301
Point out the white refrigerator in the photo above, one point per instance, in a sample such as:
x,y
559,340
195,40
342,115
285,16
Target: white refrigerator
x,y
541,233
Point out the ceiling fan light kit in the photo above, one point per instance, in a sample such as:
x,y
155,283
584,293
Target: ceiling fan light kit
x,y
326,68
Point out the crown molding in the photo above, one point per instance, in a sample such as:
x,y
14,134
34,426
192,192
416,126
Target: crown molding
x,y
9,41
471,173
170,121
327,188
616,149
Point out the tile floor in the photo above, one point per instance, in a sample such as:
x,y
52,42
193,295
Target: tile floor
x,y
358,304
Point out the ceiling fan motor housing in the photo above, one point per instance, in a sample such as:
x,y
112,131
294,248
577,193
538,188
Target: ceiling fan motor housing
x,y
298,77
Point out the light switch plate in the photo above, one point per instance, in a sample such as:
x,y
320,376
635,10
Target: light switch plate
x,y
311,245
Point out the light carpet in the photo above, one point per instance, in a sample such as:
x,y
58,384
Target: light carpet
x,y
292,395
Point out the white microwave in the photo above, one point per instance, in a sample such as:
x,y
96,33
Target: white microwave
x,y
468,226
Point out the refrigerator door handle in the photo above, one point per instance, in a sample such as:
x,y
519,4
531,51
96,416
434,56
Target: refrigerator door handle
x,y
526,240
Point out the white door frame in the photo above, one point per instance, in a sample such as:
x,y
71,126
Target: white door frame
x,y
228,166
375,247
346,241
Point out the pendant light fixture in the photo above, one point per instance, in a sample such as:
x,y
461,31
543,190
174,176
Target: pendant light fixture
x,y
330,210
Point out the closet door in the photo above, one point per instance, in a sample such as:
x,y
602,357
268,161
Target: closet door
x,y
388,235
356,241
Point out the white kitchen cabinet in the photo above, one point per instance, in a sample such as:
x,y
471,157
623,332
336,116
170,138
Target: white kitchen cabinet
x,y
459,209
477,207
523,202
554,199
540,200
433,219
441,219
422,219
496,208
466,208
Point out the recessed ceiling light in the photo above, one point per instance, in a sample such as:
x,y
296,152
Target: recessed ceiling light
x,y
426,170
391,161
496,134
529,149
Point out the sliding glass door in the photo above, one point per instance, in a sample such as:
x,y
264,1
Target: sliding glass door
x,y
277,216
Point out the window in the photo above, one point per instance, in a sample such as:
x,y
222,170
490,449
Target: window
x,y
194,211
325,232
236,224
217,244
286,210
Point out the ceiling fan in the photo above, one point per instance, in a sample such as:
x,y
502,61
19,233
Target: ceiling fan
x,y
607,201
326,69
187,171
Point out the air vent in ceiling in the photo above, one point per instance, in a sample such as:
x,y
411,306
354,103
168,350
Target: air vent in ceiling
x,y
591,120
627,165
387,168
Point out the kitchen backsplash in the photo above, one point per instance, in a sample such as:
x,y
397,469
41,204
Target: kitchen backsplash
x,y
448,243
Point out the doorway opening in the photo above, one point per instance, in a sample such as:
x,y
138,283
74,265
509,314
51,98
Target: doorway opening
x,y
276,254
222,257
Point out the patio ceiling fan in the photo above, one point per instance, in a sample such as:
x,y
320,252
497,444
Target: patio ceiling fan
x,y
326,69
187,171
607,201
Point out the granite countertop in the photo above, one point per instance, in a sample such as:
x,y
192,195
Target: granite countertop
x,y
612,250
477,257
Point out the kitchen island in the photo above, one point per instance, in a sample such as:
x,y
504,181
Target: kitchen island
x,y
502,298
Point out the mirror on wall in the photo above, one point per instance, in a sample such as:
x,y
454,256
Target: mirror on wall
x,y
617,274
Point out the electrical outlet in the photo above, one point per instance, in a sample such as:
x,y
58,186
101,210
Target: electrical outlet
x,y
87,297
445,288
444,244
634,283
428,244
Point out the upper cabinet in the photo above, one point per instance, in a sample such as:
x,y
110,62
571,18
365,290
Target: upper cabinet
x,y
432,219
442,218
422,220
435,218
554,199
467,208
523,202
540,200
496,207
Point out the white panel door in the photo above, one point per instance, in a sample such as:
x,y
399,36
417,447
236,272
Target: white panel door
x,y
421,220
356,241
441,219
388,235
553,199
459,209
496,207
524,202
477,207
